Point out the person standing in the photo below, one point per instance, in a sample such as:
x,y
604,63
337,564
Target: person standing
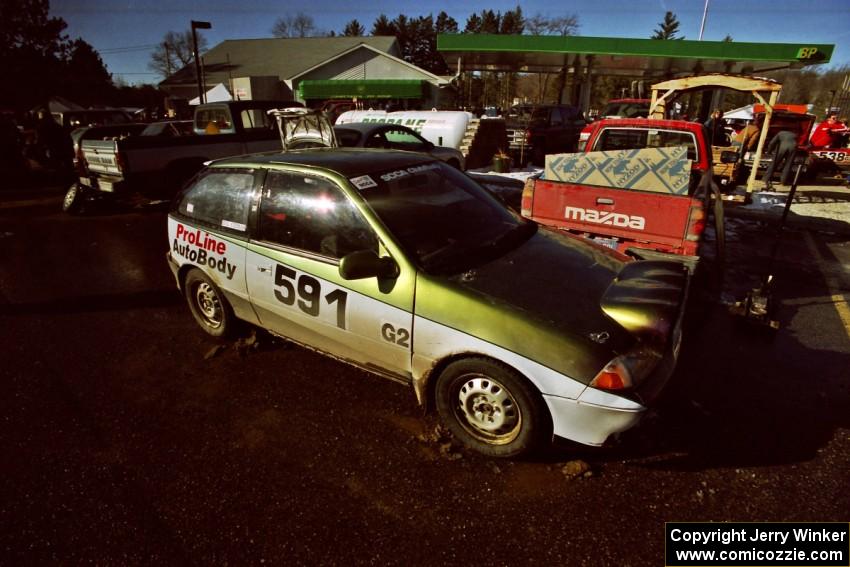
x,y
716,127
783,146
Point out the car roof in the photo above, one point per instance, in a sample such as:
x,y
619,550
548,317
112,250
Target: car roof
x,y
349,162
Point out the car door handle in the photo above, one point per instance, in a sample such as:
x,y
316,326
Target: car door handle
x,y
264,269
604,201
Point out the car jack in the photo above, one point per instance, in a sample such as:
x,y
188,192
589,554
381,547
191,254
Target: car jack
x,y
758,306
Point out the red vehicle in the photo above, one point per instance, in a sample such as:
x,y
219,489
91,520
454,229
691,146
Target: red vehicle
x,y
647,225
617,108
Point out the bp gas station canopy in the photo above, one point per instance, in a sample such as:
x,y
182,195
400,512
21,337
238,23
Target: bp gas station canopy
x,y
646,58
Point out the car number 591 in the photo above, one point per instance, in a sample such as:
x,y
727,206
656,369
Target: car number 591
x,y
305,291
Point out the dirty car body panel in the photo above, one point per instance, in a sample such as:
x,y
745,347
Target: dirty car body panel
x,y
470,281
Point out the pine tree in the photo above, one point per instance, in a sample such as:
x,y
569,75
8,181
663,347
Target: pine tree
x,y
354,29
668,28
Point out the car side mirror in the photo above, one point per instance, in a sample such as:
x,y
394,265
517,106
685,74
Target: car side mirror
x,y
366,264
729,157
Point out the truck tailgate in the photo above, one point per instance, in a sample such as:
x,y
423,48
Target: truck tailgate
x,y
628,215
100,155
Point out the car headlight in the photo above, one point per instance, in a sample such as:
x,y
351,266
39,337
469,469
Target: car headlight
x,y
627,370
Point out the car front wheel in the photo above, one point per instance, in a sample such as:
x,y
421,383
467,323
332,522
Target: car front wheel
x,y
490,408
207,304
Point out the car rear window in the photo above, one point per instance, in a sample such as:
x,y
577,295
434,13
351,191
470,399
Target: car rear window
x,y
639,138
220,199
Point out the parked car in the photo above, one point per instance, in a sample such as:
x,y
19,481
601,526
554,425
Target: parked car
x,y
157,166
110,132
71,119
405,267
395,137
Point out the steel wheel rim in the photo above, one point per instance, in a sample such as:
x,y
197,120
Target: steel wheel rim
x,y
486,409
69,197
209,305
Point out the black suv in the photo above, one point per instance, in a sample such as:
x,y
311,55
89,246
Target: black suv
x,y
537,130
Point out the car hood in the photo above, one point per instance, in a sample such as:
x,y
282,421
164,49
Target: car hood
x,y
541,300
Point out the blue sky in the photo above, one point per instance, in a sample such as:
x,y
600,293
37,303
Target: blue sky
x,y
124,31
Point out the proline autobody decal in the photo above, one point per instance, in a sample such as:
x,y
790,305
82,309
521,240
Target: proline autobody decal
x,y
200,247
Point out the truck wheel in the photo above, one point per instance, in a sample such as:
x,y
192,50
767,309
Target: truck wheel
x,y
490,408
74,199
208,305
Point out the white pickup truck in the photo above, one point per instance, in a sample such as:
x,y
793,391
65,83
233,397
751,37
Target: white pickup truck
x,y
158,166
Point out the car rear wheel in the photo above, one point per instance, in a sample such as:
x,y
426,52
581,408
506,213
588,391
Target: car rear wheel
x,y
490,408
74,199
207,304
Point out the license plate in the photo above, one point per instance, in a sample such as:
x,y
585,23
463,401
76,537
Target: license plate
x,y
105,186
609,242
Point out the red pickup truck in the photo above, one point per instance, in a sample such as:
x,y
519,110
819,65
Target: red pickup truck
x,y
647,225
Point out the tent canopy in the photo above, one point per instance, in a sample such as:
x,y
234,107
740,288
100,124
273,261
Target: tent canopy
x,y
218,93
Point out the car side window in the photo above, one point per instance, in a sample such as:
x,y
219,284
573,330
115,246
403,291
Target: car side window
x,y
256,120
557,119
403,140
312,214
221,199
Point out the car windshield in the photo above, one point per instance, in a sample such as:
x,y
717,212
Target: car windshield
x,y
445,221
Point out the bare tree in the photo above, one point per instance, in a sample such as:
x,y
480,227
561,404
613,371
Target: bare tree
x,y
299,25
556,25
175,52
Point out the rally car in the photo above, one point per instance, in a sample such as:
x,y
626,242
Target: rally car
x,y
402,265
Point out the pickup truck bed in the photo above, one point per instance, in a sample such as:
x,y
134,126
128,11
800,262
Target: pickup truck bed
x,y
646,224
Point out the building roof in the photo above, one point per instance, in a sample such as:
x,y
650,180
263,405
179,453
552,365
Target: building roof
x,y
626,56
280,57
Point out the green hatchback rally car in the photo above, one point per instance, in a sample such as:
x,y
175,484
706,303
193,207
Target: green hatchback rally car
x,y
405,267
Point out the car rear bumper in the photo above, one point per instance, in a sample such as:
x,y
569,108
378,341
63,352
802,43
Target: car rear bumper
x,y
104,184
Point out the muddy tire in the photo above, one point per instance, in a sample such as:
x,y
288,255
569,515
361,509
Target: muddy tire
x,y
74,199
491,409
208,305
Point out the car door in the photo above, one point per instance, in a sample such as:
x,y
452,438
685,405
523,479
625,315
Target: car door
x,y
306,224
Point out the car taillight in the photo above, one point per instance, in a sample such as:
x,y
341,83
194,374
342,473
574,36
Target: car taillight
x,y
80,161
627,370
119,161
527,198
696,223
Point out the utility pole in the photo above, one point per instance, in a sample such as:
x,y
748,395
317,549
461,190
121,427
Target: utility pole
x,y
167,59
704,16
199,26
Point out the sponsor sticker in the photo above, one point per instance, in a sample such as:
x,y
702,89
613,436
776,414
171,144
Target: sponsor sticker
x,y
363,182
234,225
